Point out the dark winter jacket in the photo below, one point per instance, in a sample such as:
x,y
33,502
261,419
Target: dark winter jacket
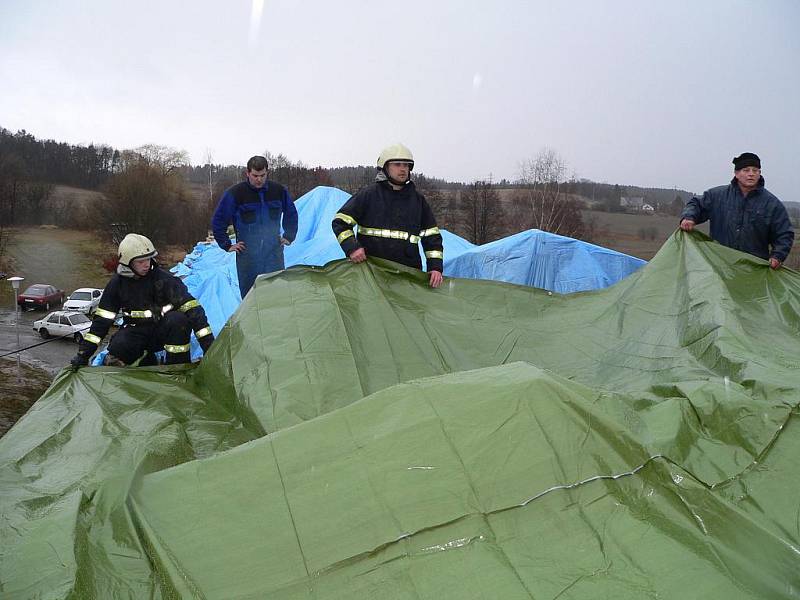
x,y
391,224
143,300
757,224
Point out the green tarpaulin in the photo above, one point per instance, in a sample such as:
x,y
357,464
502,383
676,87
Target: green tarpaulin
x,y
355,434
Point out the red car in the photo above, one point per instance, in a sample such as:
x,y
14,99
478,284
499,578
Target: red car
x,y
40,295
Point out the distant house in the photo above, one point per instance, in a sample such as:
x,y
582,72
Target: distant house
x,y
646,208
632,203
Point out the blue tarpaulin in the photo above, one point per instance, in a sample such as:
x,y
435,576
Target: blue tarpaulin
x,y
543,260
534,258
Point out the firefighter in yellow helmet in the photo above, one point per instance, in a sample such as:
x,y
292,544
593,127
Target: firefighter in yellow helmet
x,y
393,218
158,312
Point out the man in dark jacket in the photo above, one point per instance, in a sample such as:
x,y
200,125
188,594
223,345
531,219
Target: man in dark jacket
x,y
392,218
256,207
158,312
743,214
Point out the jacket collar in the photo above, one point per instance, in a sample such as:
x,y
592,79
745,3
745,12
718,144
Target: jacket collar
x,y
127,272
381,177
758,188
259,189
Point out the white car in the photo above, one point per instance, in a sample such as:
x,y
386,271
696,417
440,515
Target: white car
x,y
84,300
63,323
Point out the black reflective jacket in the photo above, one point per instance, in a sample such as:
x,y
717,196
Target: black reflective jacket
x,y
757,224
142,301
383,210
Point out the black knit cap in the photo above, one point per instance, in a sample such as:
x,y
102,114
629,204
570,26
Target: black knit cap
x,y
746,159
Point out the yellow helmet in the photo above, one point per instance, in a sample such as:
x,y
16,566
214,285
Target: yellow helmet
x,y
395,152
135,246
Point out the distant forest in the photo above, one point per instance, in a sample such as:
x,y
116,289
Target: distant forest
x,y
155,189
49,161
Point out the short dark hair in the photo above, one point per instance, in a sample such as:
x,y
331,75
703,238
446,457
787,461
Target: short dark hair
x,y
257,163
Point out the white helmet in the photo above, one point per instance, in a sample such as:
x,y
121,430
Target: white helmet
x,y
135,246
395,152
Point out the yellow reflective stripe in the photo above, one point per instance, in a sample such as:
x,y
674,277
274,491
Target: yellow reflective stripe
x,y
346,218
189,305
90,337
176,349
105,314
344,235
388,233
166,309
140,314
434,254
431,231
203,332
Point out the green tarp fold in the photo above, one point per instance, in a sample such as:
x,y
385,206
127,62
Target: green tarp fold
x,y
354,434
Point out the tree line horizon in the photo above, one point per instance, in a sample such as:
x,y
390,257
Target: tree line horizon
x,y
156,190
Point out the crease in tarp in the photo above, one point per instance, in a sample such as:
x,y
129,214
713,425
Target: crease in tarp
x,y
289,510
540,494
340,318
456,544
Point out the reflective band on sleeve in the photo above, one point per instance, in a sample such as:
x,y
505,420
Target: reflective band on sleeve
x,y
189,305
105,314
434,254
165,309
90,337
431,231
203,332
344,235
414,239
346,218
140,314
175,348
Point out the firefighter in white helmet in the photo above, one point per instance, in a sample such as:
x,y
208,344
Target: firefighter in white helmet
x,y
393,218
158,312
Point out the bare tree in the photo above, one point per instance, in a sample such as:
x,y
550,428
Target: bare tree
x,y
163,158
297,177
212,172
149,196
439,202
480,205
22,199
12,175
542,203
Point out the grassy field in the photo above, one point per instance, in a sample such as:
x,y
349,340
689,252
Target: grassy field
x,y
643,235
638,235
65,258
74,196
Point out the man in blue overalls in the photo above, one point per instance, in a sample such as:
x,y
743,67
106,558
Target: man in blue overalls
x,y
257,208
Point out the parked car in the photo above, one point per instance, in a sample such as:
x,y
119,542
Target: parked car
x,y
41,295
83,300
63,323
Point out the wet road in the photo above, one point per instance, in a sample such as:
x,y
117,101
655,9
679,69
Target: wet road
x,y
63,258
51,356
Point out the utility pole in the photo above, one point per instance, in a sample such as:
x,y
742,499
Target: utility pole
x,y
15,281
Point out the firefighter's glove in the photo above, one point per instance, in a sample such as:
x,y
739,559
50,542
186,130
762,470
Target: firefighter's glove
x,y
78,361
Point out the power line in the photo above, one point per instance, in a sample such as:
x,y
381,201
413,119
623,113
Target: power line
x,y
47,341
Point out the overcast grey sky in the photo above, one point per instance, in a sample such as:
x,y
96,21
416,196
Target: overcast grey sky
x,y
635,92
